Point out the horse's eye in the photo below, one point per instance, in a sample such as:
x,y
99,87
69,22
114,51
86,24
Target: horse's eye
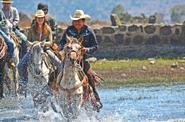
x,y
69,47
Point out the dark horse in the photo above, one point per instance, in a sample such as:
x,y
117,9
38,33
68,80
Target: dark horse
x,y
3,55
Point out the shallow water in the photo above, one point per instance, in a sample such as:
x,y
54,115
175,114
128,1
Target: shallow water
x,y
133,104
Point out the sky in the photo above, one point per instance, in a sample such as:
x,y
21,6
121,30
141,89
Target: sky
x,y
99,9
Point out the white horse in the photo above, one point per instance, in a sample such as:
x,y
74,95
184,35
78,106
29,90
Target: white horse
x,y
38,68
72,81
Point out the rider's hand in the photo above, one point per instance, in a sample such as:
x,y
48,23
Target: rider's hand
x,y
84,50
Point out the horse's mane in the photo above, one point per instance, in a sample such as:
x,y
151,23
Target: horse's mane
x,y
72,39
34,45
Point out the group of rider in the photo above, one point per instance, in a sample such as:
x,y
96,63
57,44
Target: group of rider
x,y
42,29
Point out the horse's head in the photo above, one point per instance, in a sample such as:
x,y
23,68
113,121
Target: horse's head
x,y
73,48
37,57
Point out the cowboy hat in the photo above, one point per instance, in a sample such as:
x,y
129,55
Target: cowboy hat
x,y
7,1
79,14
39,13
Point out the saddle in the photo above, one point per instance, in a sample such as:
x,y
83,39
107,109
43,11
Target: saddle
x,y
15,38
3,48
56,49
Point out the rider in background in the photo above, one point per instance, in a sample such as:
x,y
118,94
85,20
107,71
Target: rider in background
x,y
40,31
90,45
12,20
4,33
49,20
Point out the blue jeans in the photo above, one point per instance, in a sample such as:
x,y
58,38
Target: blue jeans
x,y
55,60
10,43
22,68
23,64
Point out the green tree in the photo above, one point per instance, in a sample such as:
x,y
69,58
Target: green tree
x,y
159,17
122,14
178,13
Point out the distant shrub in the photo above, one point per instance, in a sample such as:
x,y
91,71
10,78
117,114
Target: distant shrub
x,y
178,13
122,14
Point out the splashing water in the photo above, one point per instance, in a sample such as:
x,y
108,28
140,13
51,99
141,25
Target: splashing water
x,y
133,104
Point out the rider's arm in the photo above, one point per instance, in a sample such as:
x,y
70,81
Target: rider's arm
x,y
63,40
92,44
16,17
30,35
49,39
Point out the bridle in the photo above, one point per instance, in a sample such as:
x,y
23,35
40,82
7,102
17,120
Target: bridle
x,y
77,66
44,60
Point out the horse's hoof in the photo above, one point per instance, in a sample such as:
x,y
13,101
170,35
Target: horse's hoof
x,y
1,97
99,106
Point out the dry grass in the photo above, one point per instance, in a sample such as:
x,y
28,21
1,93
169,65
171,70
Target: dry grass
x,y
133,72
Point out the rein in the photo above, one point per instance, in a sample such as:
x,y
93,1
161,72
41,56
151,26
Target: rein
x,y
80,72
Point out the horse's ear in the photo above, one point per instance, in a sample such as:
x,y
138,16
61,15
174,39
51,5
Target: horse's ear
x,y
29,44
81,39
68,39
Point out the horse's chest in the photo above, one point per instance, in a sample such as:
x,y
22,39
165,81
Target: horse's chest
x,y
69,81
35,83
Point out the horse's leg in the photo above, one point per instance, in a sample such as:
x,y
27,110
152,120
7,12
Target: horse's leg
x,y
7,82
15,79
76,105
7,78
2,64
15,70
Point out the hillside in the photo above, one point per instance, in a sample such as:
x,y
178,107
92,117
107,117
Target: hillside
x,y
99,9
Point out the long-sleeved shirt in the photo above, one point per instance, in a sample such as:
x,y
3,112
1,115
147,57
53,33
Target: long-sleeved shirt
x,y
88,34
12,15
32,36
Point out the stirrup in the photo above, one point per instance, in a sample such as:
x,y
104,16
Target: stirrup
x,y
12,64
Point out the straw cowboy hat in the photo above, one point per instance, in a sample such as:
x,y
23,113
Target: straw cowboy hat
x,y
39,13
7,1
79,14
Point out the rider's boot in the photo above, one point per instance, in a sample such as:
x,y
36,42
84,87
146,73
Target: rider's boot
x,y
99,105
10,63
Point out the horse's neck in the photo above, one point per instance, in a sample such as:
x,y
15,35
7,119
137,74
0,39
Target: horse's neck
x,y
45,70
69,71
70,76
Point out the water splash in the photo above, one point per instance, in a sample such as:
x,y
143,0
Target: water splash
x,y
146,104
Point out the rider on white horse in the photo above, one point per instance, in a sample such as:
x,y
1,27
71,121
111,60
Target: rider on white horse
x,y
49,20
90,45
12,19
39,31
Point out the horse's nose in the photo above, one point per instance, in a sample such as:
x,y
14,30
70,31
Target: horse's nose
x,y
73,55
38,72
